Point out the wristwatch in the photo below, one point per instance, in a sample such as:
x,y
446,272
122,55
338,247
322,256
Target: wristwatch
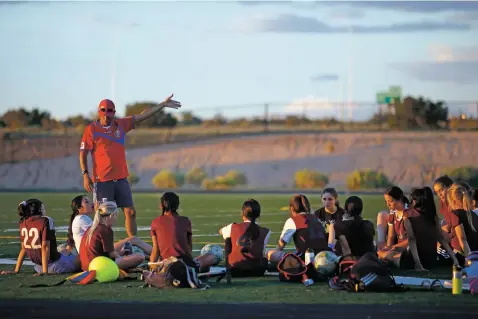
x,y
84,172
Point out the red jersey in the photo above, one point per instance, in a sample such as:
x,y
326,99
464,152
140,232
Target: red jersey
x,y
107,148
255,256
173,236
297,228
101,244
35,230
399,224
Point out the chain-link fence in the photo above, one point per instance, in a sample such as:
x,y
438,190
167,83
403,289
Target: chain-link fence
x,y
303,115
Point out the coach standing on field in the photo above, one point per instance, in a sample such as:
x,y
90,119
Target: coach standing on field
x,y
105,139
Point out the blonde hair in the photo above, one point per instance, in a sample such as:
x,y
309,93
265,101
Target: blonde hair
x,y
458,193
105,210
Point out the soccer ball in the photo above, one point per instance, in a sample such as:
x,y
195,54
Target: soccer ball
x,y
326,263
214,249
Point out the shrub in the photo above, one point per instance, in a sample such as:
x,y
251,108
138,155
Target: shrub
x,y
234,177
229,180
133,179
463,174
196,176
310,179
367,179
168,179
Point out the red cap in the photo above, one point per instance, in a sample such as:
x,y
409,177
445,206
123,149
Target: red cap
x,y
106,104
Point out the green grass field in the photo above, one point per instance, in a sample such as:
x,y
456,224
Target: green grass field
x,y
208,213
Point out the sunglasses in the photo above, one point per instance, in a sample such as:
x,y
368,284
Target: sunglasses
x,y
107,110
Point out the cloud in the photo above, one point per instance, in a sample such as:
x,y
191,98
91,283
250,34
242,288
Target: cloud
x,y
326,77
347,14
406,6
459,66
290,23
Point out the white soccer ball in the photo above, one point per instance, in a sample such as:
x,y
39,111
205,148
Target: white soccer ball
x,y
326,263
216,250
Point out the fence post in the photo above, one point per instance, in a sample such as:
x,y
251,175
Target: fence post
x,y
266,118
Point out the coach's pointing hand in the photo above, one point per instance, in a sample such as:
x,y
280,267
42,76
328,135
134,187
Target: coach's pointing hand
x,y
169,102
87,183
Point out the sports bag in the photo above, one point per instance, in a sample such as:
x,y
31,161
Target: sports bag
x,y
368,273
172,273
293,269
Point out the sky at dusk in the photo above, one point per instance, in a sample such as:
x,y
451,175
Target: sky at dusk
x,y
66,56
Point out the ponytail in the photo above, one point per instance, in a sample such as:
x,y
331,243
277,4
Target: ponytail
x,y
169,203
469,209
29,208
104,210
425,203
251,209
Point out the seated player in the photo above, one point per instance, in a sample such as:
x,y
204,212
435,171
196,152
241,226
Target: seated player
x,y
426,229
247,242
474,200
411,240
98,240
172,236
463,222
440,187
353,234
329,214
80,221
303,228
38,239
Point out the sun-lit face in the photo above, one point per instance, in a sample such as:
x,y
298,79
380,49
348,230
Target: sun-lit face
x,y
328,200
393,204
440,191
86,205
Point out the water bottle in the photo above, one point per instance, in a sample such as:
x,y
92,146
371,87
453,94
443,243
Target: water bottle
x,y
308,282
128,248
309,256
457,281
105,200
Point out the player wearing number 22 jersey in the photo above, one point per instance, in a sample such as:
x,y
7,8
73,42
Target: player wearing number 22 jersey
x,y
38,240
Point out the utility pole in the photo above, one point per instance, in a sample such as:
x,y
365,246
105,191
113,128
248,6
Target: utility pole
x,y
266,118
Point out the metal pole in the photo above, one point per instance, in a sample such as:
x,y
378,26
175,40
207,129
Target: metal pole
x,y
266,118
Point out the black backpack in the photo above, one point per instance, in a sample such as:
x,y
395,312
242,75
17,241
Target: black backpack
x,y
368,273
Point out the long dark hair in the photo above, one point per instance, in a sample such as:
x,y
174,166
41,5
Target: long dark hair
x,y
29,208
75,208
424,203
300,204
354,207
396,193
251,209
170,203
444,181
474,196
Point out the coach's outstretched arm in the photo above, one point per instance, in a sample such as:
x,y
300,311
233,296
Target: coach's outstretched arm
x,y
168,102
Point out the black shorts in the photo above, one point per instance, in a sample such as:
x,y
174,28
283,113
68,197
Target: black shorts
x,y
443,259
406,260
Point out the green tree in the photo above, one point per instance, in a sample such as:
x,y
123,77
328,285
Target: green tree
x,y
414,113
166,179
77,120
188,118
464,174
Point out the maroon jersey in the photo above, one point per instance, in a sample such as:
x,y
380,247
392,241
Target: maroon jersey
x,y
254,257
459,217
35,230
101,244
297,228
445,212
399,224
173,236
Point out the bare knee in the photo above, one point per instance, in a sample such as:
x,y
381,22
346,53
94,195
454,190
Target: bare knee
x,y
383,215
